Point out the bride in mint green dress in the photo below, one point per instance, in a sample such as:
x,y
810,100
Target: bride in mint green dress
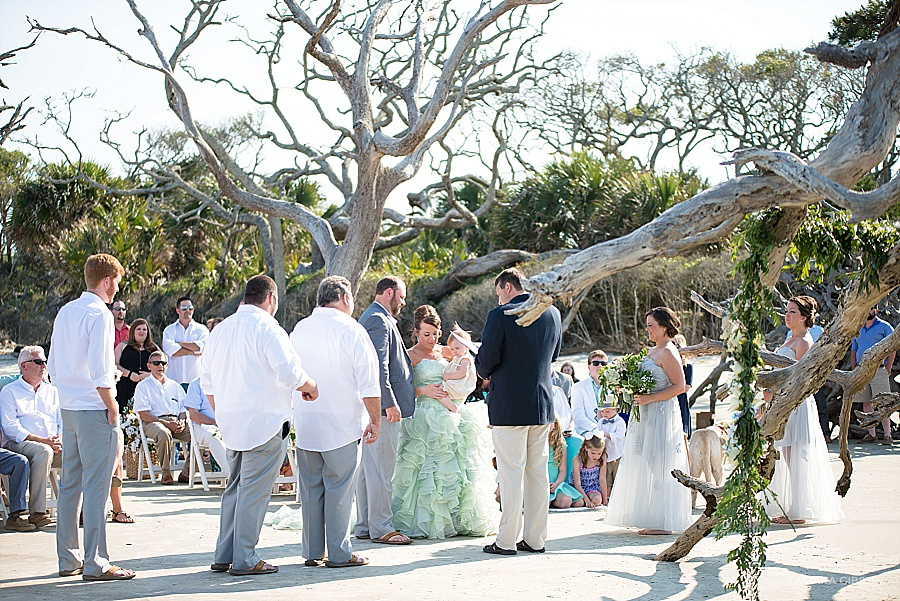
x,y
443,482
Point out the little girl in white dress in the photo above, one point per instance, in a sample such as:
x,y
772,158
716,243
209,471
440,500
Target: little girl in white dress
x,y
459,376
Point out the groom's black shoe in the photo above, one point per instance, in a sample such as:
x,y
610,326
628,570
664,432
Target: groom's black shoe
x,y
493,549
523,546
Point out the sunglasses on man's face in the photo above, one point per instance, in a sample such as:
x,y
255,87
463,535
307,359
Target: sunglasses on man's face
x,y
159,362
598,363
186,308
37,362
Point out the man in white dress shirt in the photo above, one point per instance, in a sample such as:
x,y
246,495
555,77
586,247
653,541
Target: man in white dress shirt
x,y
32,426
338,352
248,373
158,403
83,369
183,342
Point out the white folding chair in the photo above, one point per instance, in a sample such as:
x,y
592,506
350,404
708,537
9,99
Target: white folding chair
x,y
144,455
196,459
294,479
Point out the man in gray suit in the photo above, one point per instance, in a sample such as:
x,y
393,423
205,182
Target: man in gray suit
x,y
398,400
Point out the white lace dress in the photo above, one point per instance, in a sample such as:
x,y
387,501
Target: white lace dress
x,y
645,494
803,480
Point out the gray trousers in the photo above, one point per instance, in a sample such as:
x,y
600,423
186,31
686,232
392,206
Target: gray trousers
x,y
41,458
245,501
89,452
373,488
327,480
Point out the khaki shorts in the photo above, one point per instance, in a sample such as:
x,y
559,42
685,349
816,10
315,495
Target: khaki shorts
x,y
881,382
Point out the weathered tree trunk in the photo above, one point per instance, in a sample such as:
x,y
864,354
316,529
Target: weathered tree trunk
x,y
277,266
473,268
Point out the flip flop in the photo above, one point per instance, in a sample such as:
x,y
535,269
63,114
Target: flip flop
x,y
220,567
113,573
260,568
314,563
355,560
386,539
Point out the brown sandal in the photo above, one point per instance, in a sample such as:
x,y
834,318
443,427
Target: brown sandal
x,y
113,573
386,539
260,568
355,560
120,517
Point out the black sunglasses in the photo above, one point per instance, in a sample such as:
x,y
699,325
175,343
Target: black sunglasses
x,y
186,308
36,361
598,363
159,362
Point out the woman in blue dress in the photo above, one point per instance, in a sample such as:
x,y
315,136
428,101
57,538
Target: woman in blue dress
x,y
443,484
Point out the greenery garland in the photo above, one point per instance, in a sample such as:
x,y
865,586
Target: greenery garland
x,y
740,511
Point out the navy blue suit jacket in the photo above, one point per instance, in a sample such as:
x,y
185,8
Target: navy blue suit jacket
x,y
518,362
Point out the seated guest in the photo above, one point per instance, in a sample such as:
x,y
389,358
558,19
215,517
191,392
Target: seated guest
x,y
157,401
588,395
15,467
201,413
32,426
561,409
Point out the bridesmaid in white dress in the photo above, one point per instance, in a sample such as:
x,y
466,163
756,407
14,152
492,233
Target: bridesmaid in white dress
x,y
646,495
803,480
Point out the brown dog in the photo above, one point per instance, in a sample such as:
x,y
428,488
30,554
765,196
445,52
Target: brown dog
x,y
707,456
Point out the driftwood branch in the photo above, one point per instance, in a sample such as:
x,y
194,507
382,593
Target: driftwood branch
x,y
884,404
473,268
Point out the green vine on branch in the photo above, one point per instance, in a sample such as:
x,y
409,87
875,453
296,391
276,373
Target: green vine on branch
x,y
740,511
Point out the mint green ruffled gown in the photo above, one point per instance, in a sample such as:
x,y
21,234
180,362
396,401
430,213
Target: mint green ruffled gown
x,y
443,482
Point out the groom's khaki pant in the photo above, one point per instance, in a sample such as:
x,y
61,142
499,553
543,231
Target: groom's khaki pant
x,y
522,454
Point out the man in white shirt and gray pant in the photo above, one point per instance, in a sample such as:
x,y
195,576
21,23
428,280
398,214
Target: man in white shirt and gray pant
x,y
248,374
82,368
338,352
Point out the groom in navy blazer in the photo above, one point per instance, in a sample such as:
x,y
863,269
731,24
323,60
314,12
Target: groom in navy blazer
x,y
518,361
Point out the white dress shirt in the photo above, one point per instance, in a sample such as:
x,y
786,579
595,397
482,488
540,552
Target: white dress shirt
x,y
81,353
338,353
586,397
615,444
24,411
561,408
186,368
250,369
159,398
